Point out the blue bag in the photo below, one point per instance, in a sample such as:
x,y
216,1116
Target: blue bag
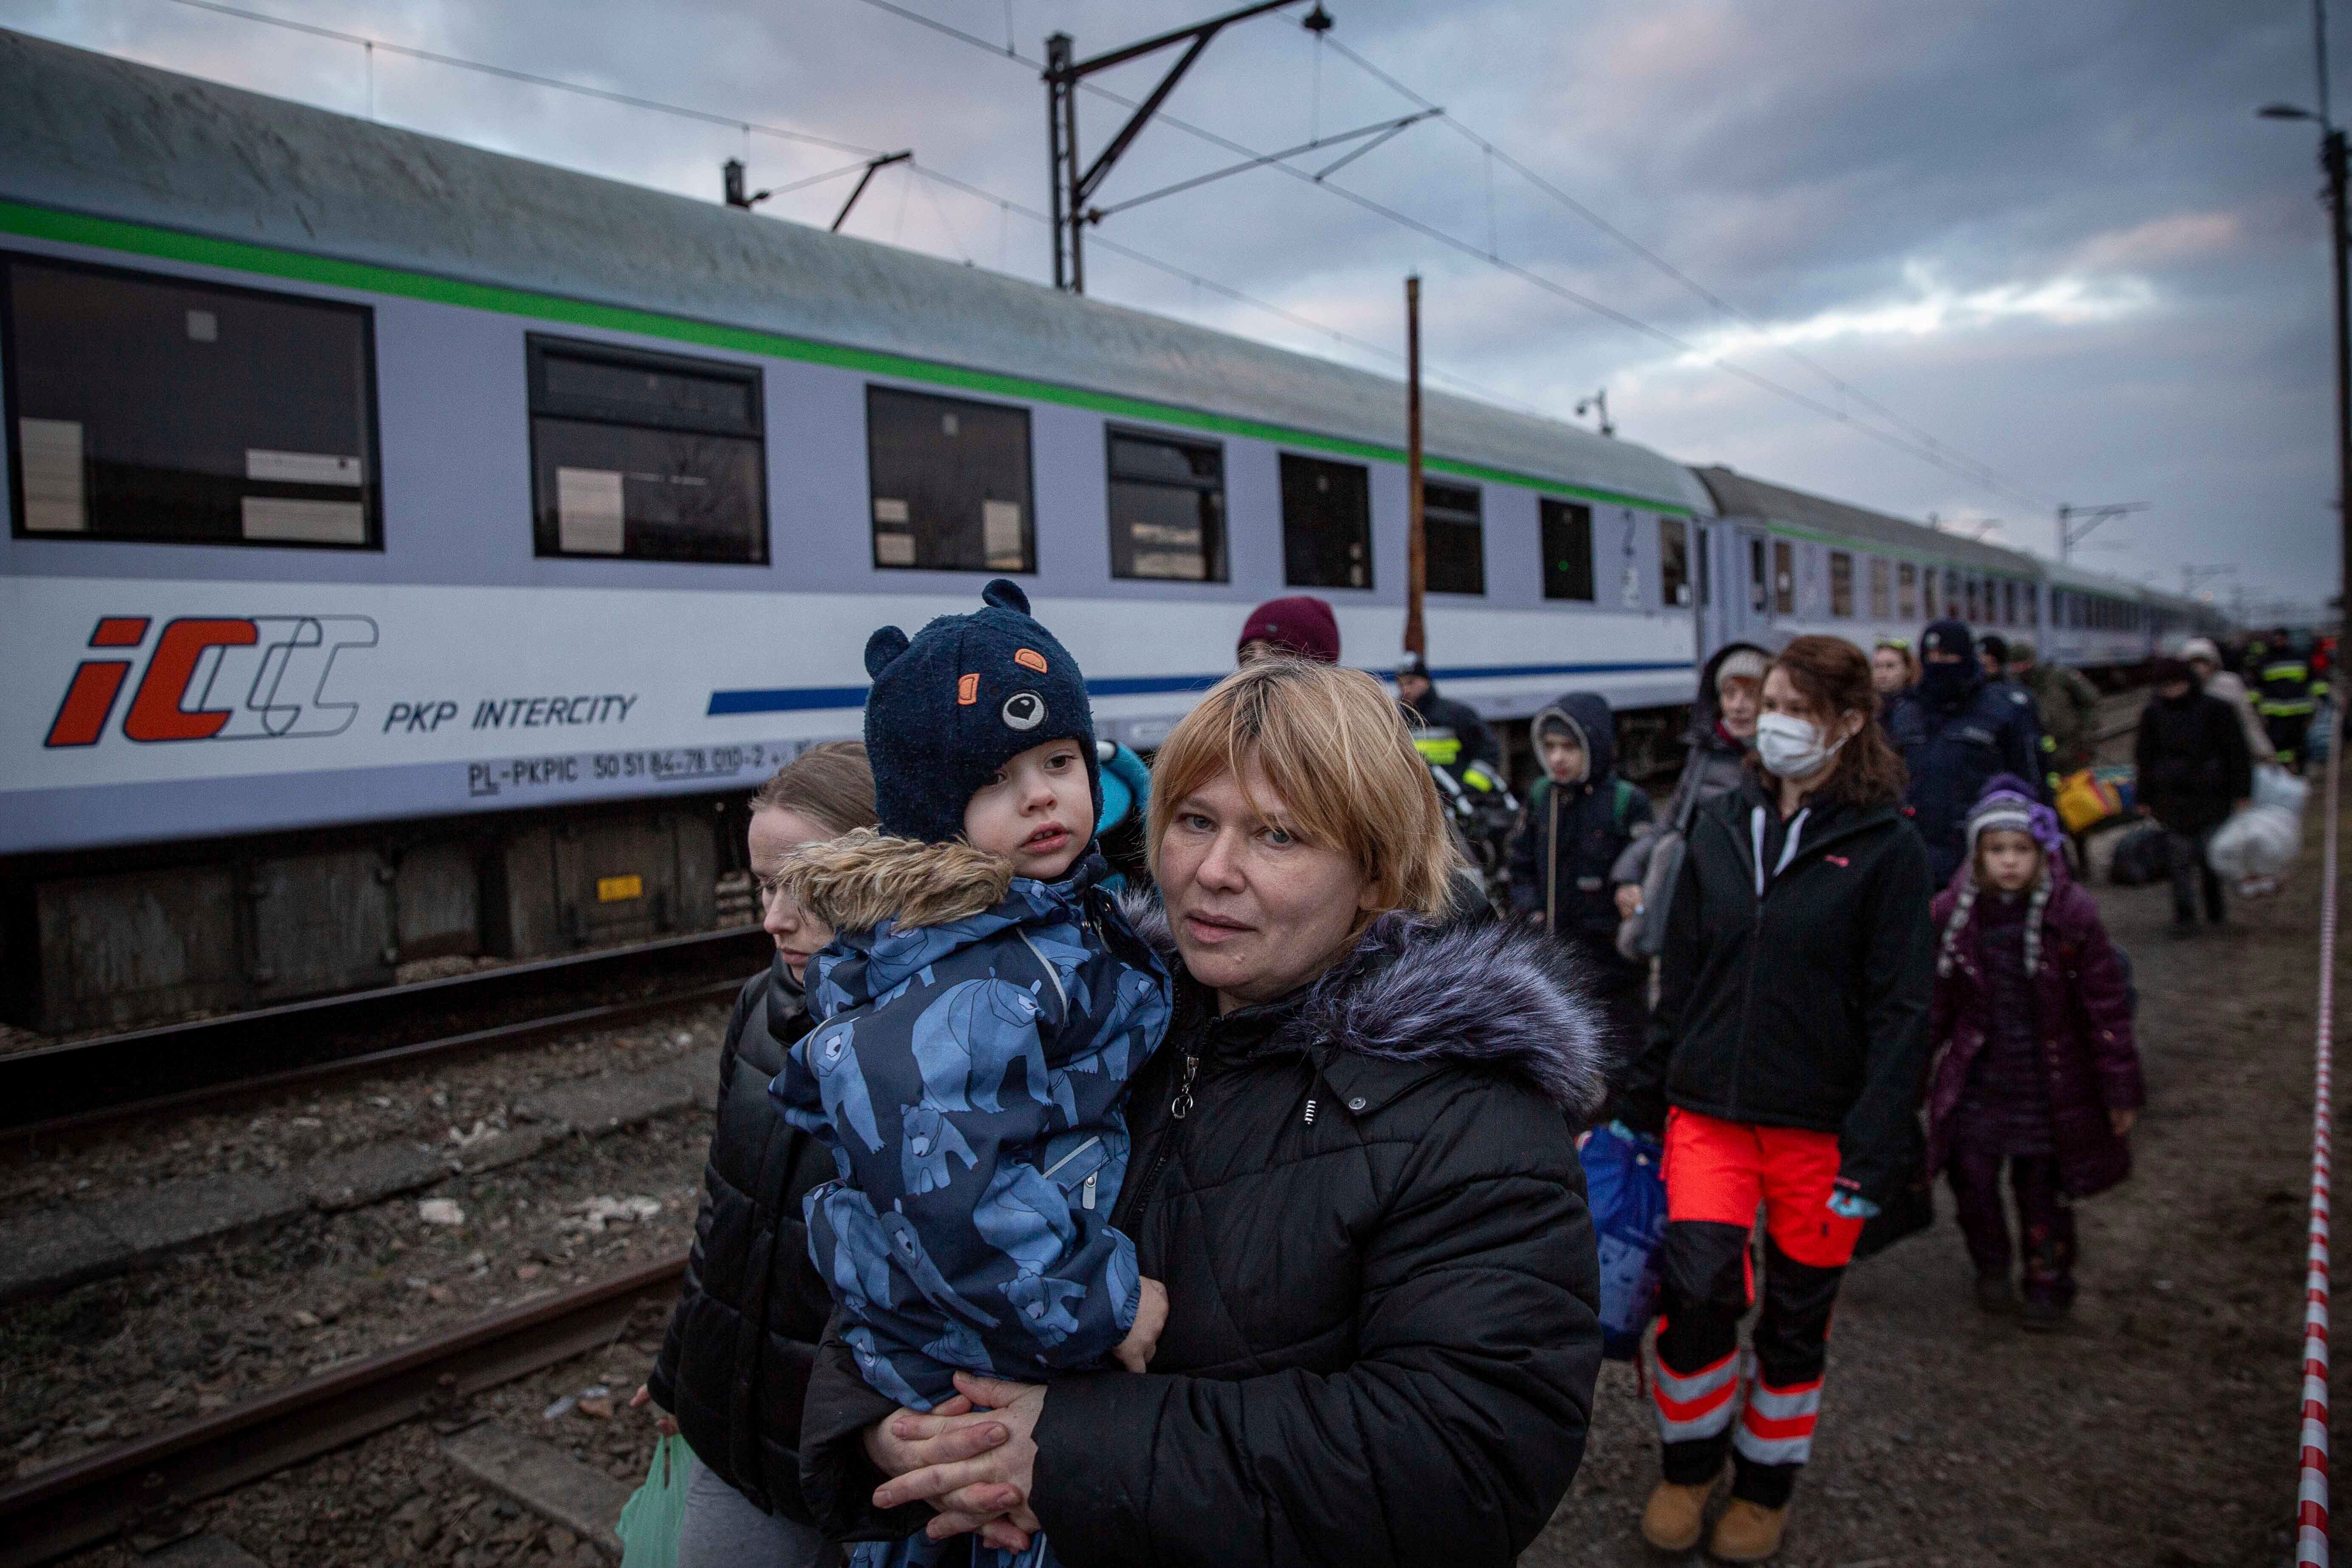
x,y
1628,1199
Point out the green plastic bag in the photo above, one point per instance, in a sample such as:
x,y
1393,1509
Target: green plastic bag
x,y
652,1516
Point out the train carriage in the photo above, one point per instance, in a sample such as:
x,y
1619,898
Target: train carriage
x,y
1797,563
409,545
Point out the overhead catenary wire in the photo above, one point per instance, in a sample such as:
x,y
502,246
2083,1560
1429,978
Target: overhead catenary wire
x,y
1987,474
532,78
1006,207
1925,449
1907,439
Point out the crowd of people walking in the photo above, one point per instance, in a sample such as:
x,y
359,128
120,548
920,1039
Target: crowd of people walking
x,y
1222,1202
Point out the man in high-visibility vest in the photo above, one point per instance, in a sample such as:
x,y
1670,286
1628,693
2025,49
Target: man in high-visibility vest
x,y
2290,693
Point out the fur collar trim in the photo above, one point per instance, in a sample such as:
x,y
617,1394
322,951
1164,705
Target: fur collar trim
x,y
1503,996
859,881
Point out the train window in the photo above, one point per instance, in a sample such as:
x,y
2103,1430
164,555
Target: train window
x,y
1327,523
1974,614
1167,508
165,411
950,483
1841,584
1907,591
1454,538
1784,578
1673,563
1756,575
1882,601
1706,553
1567,551
651,457
1951,593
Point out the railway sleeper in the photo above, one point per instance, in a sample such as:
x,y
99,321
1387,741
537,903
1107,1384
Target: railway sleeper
x,y
63,1245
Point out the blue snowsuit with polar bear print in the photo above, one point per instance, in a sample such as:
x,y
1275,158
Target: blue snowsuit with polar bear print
x,y
969,1077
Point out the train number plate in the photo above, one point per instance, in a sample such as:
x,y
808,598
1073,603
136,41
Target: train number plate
x,y
615,889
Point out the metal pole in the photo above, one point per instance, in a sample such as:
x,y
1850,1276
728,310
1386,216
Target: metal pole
x,y
1073,198
1059,152
2332,157
1416,538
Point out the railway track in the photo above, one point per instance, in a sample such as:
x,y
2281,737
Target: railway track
x,y
143,1489
80,1083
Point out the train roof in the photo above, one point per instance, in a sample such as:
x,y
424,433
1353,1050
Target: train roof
x,y
87,133
1799,511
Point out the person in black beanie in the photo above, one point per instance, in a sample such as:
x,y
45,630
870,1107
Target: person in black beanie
x,y
1956,731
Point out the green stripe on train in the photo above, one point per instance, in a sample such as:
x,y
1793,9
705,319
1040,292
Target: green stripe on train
x,y
173,244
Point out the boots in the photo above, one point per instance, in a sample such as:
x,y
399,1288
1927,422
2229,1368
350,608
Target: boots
x,y
1748,1532
1673,1518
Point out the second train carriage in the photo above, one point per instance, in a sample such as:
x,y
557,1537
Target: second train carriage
x,y
1793,562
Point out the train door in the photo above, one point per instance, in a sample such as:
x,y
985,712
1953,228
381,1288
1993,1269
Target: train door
x,y
1744,607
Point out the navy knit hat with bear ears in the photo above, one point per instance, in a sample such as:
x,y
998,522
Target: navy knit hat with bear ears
x,y
965,696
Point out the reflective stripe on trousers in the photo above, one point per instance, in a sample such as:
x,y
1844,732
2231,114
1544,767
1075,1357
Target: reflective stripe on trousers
x,y
1695,1404
1776,1427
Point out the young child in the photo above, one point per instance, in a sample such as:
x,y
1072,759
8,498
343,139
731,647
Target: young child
x,y
2035,1065
1579,818
981,1010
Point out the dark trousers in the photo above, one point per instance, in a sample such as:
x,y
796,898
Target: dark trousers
x,y
2044,1216
2286,732
1704,1295
2190,872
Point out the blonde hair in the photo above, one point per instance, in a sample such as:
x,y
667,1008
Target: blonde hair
x,y
1331,743
831,785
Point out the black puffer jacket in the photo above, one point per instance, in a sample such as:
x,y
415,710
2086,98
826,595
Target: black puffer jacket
x,y
1382,1334
2192,761
1807,1006
735,1363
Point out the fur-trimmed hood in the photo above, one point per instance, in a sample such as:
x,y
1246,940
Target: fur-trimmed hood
x,y
1497,995
859,881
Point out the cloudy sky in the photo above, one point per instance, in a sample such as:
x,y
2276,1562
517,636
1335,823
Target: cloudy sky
x,y
2052,241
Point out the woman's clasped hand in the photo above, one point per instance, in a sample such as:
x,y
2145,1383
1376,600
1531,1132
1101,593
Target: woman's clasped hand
x,y
973,1458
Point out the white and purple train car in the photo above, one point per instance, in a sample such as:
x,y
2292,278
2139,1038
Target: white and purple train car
x,y
410,548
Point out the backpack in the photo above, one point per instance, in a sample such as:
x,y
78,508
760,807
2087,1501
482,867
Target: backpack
x,y
1621,800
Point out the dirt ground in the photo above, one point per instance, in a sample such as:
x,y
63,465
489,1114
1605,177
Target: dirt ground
x,y
2161,1426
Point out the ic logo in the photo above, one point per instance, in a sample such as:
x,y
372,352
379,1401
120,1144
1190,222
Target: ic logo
x,y
226,679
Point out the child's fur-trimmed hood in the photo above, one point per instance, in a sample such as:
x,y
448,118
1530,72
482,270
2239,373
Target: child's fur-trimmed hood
x,y
1503,996
864,876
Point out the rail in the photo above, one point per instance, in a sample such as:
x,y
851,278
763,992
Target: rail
x,y
144,1488
2311,1491
75,1083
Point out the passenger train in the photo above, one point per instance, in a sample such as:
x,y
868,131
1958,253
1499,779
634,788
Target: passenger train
x,y
413,550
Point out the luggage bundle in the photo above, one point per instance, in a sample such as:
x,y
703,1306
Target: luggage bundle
x,y
2141,858
1627,1196
2094,795
2256,847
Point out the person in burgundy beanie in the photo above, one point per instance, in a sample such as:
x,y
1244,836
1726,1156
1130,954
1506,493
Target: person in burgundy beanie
x,y
1301,627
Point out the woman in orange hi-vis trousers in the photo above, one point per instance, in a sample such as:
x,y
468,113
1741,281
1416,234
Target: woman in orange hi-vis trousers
x,y
1782,1068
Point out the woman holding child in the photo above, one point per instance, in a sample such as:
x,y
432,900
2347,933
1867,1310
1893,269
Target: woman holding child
x,y
1349,1158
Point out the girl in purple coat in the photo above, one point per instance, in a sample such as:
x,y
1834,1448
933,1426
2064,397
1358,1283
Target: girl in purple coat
x,y
2034,1061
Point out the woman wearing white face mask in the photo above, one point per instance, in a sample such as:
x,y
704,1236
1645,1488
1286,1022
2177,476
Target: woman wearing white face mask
x,y
1782,1068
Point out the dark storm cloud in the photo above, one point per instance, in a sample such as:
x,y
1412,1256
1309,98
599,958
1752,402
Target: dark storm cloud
x,y
2052,237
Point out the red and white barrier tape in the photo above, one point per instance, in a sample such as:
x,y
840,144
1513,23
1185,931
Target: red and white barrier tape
x,y
2311,1493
